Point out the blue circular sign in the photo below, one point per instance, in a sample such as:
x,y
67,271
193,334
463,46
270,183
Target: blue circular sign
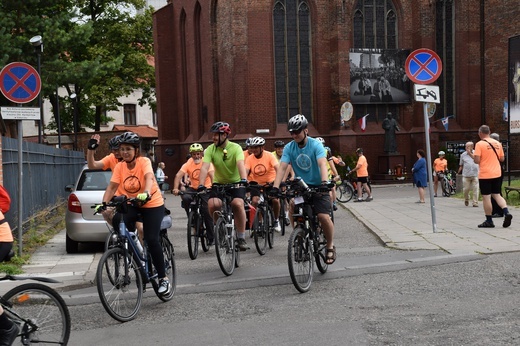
x,y
423,66
20,82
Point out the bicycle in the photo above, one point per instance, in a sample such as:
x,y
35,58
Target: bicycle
x,y
307,243
283,219
345,191
448,182
263,223
123,271
38,310
196,229
226,237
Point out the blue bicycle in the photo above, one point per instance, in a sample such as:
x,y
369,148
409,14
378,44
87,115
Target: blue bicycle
x,y
124,270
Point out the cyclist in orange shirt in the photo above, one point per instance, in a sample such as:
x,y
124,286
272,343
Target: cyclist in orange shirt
x,y
261,167
488,155
6,239
192,170
362,176
440,165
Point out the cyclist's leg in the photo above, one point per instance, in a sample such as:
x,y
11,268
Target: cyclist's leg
x,y
152,218
323,208
8,330
214,204
208,220
239,212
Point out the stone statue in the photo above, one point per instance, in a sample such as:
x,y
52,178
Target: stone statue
x,y
390,126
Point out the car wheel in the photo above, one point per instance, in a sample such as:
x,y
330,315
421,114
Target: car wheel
x,y
70,245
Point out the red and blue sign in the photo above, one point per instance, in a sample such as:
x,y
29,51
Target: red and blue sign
x,y
20,82
423,66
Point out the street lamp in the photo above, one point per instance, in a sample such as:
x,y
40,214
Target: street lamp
x,y
37,42
74,99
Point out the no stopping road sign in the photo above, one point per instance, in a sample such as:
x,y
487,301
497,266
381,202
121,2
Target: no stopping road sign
x,y
20,82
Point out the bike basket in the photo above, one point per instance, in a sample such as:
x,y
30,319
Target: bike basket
x,y
166,222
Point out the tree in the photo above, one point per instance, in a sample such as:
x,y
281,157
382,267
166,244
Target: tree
x,y
98,50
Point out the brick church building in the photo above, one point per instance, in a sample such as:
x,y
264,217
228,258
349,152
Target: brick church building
x,y
256,63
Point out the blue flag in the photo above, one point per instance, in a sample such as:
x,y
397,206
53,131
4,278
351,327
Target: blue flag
x,y
445,122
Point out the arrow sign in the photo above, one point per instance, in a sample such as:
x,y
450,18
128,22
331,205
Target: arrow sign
x,y
20,82
423,66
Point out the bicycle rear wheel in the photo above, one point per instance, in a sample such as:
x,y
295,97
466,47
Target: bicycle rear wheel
x,y
260,230
445,186
169,266
225,247
270,227
320,251
193,229
281,218
119,285
344,192
40,312
300,260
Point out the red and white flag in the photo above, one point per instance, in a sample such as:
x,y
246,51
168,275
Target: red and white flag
x,y
363,123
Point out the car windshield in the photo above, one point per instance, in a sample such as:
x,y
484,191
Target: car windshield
x,y
94,180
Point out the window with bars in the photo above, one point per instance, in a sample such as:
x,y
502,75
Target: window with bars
x,y
130,114
292,57
375,26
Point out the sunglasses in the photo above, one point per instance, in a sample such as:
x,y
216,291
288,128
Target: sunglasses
x,y
295,132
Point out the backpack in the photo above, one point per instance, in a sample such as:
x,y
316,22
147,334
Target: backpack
x,y
5,200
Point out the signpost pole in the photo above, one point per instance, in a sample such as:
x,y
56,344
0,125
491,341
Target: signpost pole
x,y
429,161
20,186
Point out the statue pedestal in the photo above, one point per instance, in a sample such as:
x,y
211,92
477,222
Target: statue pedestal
x,y
390,161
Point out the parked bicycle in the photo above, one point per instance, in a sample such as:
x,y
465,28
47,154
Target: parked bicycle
x,y
196,229
307,243
226,237
263,223
448,180
38,310
348,189
124,270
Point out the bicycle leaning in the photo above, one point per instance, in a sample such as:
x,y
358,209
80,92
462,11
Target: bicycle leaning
x,y
124,270
39,312
448,182
307,243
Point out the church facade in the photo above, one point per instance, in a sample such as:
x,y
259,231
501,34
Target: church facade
x,y
256,63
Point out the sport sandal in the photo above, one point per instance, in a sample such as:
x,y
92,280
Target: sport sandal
x,y
330,256
486,224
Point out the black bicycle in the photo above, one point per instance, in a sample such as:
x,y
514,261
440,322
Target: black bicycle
x,y
263,223
123,270
448,180
307,242
39,312
226,237
196,229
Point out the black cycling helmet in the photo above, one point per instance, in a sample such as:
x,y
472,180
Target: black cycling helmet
x,y
220,127
114,142
297,122
279,144
130,138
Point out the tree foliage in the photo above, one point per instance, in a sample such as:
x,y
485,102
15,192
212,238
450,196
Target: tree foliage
x,y
96,49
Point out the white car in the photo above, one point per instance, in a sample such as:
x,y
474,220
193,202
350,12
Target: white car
x,y
80,222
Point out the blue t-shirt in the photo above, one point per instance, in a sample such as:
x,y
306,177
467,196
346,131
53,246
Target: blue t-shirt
x,y
304,161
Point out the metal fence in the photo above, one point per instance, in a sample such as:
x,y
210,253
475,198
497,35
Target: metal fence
x,y
46,171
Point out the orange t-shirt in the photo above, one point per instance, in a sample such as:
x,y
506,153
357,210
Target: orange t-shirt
x,y
109,162
363,170
6,235
489,166
440,165
192,169
262,170
131,181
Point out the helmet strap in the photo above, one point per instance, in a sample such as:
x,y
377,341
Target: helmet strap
x,y
302,143
220,141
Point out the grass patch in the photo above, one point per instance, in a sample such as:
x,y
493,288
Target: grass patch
x,y
512,201
37,231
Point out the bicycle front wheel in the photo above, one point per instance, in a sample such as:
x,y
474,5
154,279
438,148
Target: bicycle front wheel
x,y
344,192
260,230
300,260
270,227
169,266
225,247
445,186
119,284
193,234
40,312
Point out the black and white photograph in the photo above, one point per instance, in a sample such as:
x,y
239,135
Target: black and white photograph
x,y
514,78
378,76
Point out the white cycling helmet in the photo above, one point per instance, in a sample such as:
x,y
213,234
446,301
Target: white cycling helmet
x,y
321,140
442,153
257,142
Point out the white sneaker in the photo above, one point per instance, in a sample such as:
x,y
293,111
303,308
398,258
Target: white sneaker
x,y
277,227
164,287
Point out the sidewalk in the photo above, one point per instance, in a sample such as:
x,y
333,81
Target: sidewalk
x,y
401,223
393,216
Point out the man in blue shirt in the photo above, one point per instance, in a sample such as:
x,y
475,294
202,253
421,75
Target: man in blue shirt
x,y
309,162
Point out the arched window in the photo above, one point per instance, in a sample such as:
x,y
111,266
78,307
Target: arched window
x,y
375,26
292,59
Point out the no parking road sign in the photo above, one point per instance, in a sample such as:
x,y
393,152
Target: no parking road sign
x,y
423,66
20,82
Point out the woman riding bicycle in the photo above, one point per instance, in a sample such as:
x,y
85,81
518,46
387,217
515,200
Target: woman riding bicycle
x,y
136,178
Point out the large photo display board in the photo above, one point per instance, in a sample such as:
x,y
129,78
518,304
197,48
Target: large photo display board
x,y
377,76
514,84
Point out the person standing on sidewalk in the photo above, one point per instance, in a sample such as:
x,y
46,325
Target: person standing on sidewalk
x,y
419,174
488,155
469,170
362,176
440,165
497,211
160,176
